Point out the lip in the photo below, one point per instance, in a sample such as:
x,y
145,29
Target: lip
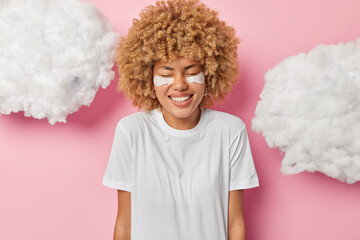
x,y
180,95
181,104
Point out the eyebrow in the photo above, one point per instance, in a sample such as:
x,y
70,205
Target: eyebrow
x,y
185,68
190,66
167,67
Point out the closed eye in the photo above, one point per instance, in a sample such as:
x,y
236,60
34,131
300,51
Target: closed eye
x,y
193,74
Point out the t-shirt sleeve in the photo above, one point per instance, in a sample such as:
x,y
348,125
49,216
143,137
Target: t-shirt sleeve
x,y
119,168
242,169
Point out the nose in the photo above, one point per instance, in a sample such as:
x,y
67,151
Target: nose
x,y
180,83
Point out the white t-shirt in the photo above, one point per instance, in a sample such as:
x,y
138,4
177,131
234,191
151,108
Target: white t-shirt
x,y
180,179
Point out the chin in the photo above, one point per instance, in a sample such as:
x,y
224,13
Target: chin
x,y
180,112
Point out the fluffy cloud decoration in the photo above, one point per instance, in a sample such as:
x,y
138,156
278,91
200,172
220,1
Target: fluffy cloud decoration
x,y
54,56
310,110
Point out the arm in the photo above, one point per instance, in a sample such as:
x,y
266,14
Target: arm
x,y
122,229
236,221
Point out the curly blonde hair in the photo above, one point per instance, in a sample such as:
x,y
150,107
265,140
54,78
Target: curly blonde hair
x,y
177,28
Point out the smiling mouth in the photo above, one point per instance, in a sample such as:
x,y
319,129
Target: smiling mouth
x,y
181,99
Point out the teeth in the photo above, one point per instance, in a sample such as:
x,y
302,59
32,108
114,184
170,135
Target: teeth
x,y
180,99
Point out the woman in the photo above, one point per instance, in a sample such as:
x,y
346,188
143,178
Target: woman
x,y
179,167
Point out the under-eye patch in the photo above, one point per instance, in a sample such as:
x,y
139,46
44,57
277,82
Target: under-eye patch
x,y
159,81
199,78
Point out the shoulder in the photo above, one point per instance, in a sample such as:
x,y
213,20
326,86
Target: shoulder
x,y
133,119
226,120
136,122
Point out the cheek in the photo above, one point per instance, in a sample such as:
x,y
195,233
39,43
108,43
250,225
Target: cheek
x,y
160,91
199,88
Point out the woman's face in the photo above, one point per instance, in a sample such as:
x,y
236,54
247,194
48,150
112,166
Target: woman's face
x,y
181,97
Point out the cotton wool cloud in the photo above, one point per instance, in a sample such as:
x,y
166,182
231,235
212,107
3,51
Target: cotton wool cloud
x,y
310,110
54,56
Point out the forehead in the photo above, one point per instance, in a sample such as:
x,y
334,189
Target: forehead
x,y
178,63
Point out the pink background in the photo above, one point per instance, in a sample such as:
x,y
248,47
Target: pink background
x,y
50,176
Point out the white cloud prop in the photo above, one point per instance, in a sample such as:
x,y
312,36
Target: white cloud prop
x,y
310,110
54,56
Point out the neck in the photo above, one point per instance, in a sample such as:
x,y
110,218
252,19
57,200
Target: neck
x,y
182,123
